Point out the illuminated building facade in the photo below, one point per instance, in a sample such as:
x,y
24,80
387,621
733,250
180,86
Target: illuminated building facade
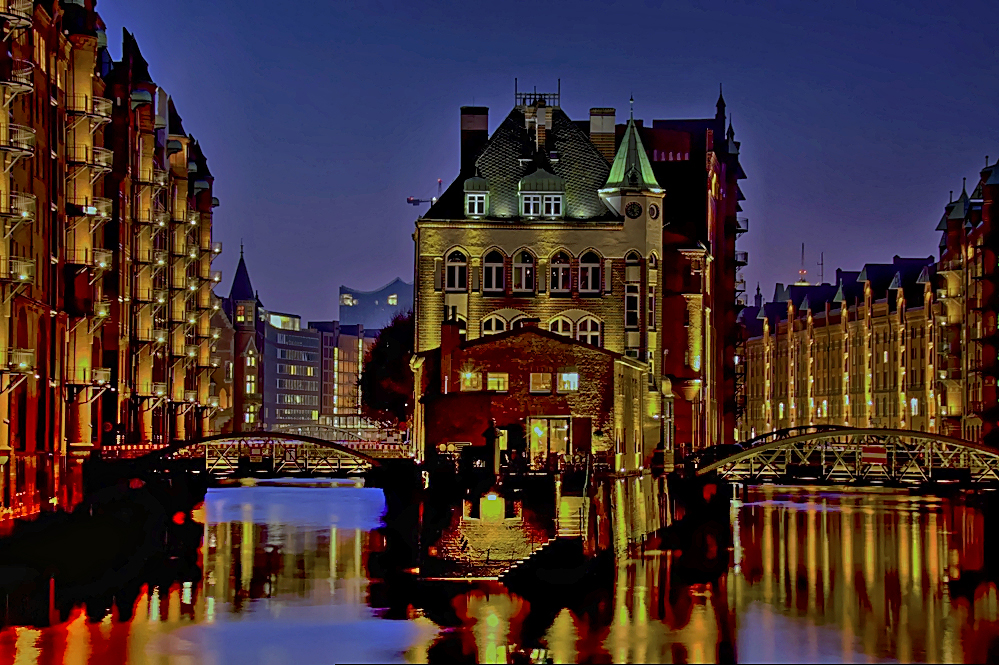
x,y
968,292
909,345
564,397
344,348
105,262
618,236
857,353
375,309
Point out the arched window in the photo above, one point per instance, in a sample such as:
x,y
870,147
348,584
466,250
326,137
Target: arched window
x,y
493,324
589,273
632,258
653,261
523,271
560,273
561,326
780,411
492,276
457,271
588,331
517,323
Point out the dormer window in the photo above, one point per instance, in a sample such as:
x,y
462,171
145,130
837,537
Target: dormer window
x,y
475,205
553,205
531,205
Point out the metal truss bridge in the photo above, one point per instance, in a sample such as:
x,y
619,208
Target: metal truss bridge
x,y
841,455
278,453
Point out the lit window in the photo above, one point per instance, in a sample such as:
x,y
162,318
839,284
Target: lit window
x,y
475,204
553,205
498,381
471,381
541,382
631,306
531,205
347,300
457,272
589,273
492,275
588,331
561,273
393,299
251,361
251,384
561,326
914,406
568,382
492,325
523,272
780,410
240,313
651,310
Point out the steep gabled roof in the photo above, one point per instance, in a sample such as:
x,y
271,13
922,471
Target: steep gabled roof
x,y
511,154
241,289
631,168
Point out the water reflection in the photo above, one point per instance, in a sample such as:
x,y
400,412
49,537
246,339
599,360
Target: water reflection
x,y
816,576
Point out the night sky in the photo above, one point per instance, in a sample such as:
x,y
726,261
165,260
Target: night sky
x,y
319,118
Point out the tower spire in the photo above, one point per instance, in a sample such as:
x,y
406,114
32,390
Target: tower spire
x,y
632,102
720,106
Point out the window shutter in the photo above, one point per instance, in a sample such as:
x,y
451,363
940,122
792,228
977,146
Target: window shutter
x,y
475,277
438,274
607,276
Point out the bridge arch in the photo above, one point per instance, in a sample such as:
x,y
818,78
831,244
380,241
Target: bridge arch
x,y
262,438
842,455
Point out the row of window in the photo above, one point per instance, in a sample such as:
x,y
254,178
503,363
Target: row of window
x,y
531,205
305,400
540,382
296,370
296,340
297,384
523,270
296,414
291,354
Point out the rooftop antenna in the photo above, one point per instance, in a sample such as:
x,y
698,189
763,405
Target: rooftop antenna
x,y
822,267
412,200
802,273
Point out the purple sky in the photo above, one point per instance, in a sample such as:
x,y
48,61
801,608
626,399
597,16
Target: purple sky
x,y
319,118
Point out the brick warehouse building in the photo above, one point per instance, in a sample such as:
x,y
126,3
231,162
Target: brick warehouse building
x,y
911,344
620,236
564,396
105,263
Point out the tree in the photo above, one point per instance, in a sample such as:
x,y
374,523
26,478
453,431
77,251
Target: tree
x,y
386,379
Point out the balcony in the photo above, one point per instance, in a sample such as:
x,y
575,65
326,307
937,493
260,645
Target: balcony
x,y
215,276
190,395
215,333
740,285
17,76
100,375
192,350
152,389
160,297
154,176
102,308
741,224
741,258
18,270
97,109
213,401
153,216
17,139
953,265
178,313
21,360
208,362
216,249
193,217
103,259
152,335
99,259
17,13
950,374
94,158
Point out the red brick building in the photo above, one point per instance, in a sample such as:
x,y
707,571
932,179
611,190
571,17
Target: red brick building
x,y
567,396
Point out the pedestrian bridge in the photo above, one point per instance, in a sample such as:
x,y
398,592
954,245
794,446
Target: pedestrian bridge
x,y
278,453
842,455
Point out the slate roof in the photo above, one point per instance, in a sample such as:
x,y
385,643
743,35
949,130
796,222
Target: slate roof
x,y
510,155
241,289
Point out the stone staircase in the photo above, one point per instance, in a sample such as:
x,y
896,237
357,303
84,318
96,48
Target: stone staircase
x,y
571,517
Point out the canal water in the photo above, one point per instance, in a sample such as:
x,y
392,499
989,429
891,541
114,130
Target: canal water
x,y
817,575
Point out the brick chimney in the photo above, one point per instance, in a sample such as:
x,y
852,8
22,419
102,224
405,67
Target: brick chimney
x,y
602,131
474,134
450,340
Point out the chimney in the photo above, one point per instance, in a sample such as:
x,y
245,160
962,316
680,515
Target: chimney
x,y
474,134
602,131
450,340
